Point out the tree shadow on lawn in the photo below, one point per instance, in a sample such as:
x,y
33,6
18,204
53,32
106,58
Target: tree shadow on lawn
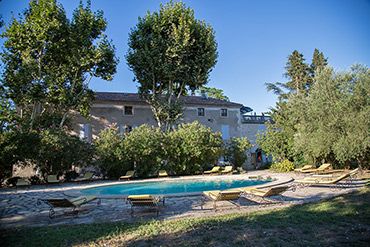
x,y
340,221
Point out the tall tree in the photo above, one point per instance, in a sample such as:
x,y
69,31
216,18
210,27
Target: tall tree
x,y
170,52
279,138
49,60
214,93
298,73
318,62
335,123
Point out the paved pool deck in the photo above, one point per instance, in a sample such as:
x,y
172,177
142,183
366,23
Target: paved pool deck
x,y
19,207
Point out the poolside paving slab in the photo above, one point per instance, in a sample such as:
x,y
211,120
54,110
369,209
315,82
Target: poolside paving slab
x,y
18,208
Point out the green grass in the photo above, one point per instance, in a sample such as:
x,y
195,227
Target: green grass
x,y
342,221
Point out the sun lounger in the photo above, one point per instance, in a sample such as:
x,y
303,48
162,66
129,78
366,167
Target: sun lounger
x,y
87,177
22,182
264,194
323,167
334,181
129,174
306,167
228,169
227,195
162,173
74,203
215,170
52,179
145,201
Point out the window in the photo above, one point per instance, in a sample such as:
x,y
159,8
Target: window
x,y
200,111
223,112
128,110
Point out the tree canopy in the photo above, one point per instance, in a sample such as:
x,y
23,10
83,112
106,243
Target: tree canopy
x,y
170,52
214,93
49,60
328,122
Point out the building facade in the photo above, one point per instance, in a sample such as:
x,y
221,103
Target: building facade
x,y
128,110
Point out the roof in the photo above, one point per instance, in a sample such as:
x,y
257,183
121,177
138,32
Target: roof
x,y
188,100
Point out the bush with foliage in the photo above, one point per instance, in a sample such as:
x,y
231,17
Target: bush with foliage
x,y
52,151
283,166
110,153
236,150
16,146
59,151
143,148
191,148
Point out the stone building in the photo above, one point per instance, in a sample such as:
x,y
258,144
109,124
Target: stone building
x,y
128,110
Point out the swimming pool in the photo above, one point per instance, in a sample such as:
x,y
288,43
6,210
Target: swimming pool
x,y
171,187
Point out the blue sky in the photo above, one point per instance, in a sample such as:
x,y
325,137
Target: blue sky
x,y
254,38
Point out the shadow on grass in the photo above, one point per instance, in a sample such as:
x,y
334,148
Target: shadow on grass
x,y
339,221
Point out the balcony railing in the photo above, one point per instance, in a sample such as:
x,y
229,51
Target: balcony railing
x,y
258,119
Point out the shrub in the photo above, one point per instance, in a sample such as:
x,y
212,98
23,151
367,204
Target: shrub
x,y
110,153
70,175
191,148
283,166
58,152
143,148
35,180
235,150
16,146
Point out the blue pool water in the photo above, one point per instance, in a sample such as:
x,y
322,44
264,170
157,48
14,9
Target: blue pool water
x,y
170,187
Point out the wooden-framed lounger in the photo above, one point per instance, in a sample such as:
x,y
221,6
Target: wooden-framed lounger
x,y
52,179
145,201
73,203
305,167
323,167
215,170
22,182
231,196
328,179
331,181
129,174
87,177
227,170
264,194
162,173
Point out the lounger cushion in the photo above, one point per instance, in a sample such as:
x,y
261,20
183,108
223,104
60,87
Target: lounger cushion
x,y
82,200
140,197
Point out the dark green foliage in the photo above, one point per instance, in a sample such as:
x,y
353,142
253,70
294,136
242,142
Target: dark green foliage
x,y
279,137
35,180
59,151
236,150
16,147
335,123
170,52
110,153
214,93
298,73
49,60
144,150
328,123
189,149
70,175
283,166
318,62
52,151
192,148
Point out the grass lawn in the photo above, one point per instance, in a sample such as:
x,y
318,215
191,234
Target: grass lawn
x,y
342,221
